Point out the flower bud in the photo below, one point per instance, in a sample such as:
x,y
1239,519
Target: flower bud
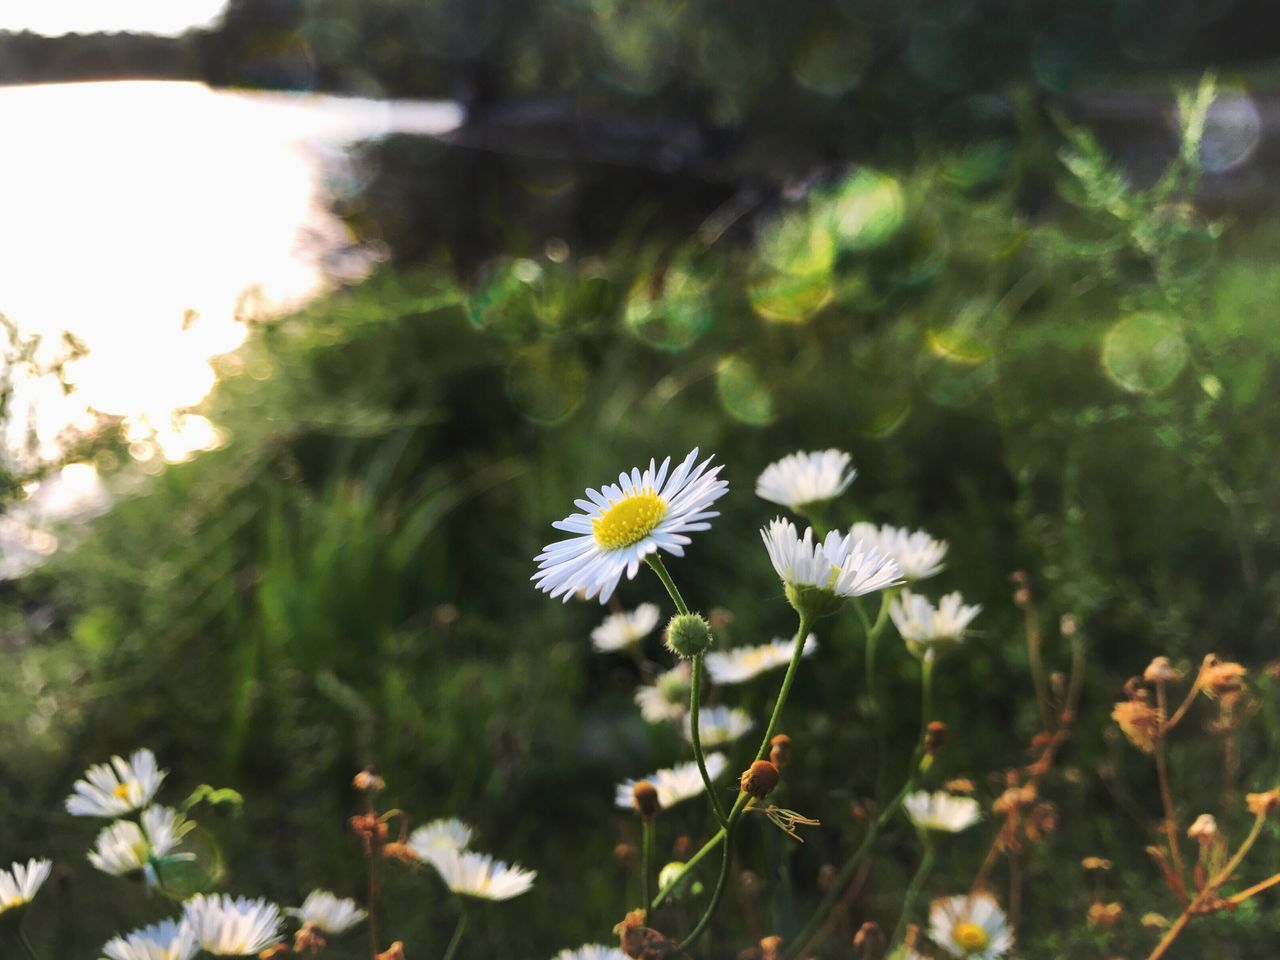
x,y
780,750
644,797
1264,804
669,874
759,779
1161,670
688,634
770,948
1205,829
935,737
813,603
869,942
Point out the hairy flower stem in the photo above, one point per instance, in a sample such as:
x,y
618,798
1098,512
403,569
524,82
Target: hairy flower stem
x,y
913,888
457,933
646,860
695,689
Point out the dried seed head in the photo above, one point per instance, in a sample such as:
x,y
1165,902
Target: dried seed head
x,y
1139,722
367,781
869,942
1096,863
959,785
1222,678
644,797
759,779
1264,804
640,942
401,852
1105,914
1161,670
935,737
308,939
1204,830
1015,798
369,828
770,948
780,750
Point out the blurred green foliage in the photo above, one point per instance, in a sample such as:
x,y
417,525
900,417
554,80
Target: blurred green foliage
x,y
1079,392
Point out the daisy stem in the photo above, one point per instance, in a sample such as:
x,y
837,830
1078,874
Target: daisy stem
x,y
658,567
873,632
646,859
26,944
913,889
802,634
695,737
457,933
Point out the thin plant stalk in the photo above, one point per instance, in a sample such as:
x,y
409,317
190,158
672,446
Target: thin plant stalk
x,y
1166,798
873,632
457,933
913,888
646,860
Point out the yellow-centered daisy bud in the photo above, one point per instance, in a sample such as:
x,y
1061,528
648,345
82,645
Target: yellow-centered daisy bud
x,y
869,942
366,781
1264,804
644,797
759,779
780,750
1105,914
1161,670
688,634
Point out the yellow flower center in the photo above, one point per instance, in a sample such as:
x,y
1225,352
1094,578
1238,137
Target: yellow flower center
x,y
969,937
629,520
121,792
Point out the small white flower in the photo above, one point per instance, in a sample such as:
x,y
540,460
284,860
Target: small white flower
x,y
166,940
838,565
972,927
471,874
803,480
623,523
116,788
678,783
125,847
19,884
229,927
621,630
942,811
592,951
718,726
665,698
744,663
917,554
924,626
329,914
439,836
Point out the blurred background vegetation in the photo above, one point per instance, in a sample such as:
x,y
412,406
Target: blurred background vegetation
x,y
752,228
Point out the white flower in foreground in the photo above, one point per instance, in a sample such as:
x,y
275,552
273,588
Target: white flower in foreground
x,y
125,847
925,627
678,783
328,913
20,883
623,523
744,663
623,629
116,788
471,874
718,726
229,927
818,577
942,811
972,927
166,940
803,480
917,554
592,951
439,836
665,698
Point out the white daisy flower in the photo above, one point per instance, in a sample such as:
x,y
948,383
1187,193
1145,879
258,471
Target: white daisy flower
x,y
621,630
942,811
471,874
166,940
800,481
229,927
837,568
925,627
327,913
665,698
124,847
917,554
439,836
623,523
973,927
678,783
744,663
20,883
718,726
116,788
592,951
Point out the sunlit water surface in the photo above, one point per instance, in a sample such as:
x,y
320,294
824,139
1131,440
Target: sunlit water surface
x,y
141,217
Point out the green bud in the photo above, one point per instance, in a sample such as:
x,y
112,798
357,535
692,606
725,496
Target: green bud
x,y
669,875
813,603
688,634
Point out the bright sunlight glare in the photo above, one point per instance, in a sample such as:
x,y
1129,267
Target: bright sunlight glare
x,y
57,17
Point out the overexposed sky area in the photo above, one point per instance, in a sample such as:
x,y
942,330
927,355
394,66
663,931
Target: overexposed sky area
x,y
56,17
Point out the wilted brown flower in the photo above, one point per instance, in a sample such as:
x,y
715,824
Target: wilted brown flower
x,y
1222,678
369,828
1105,914
869,942
1264,804
1139,722
759,779
644,797
1161,670
1204,829
640,942
393,952
780,750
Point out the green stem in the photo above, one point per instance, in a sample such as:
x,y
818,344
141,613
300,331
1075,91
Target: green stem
x,y
658,567
688,865
873,633
913,889
26,944
695,737
714,902
926,691
846,874
646,860
457,933
801,635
